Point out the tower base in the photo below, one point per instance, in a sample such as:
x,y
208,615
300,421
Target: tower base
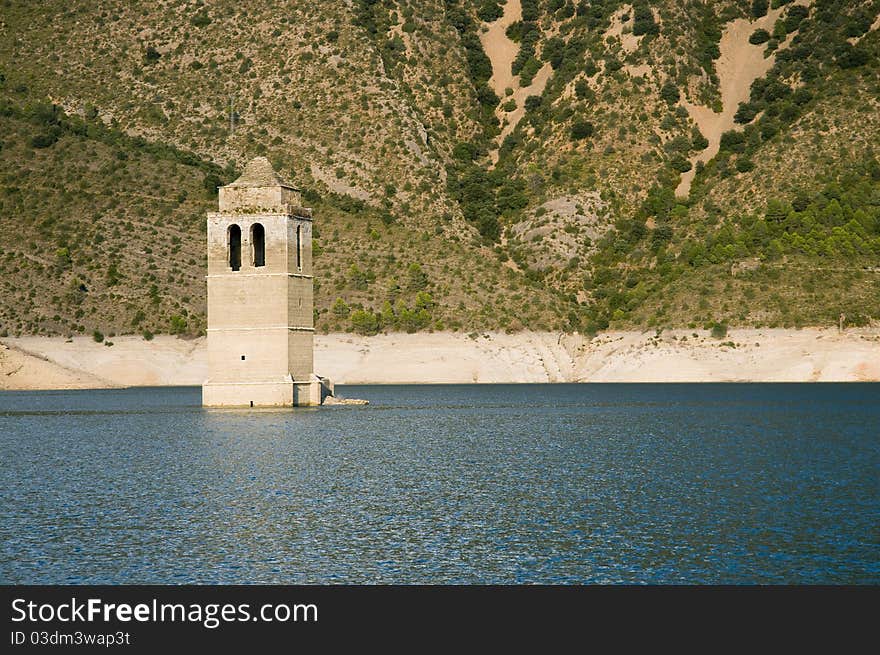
x,y
285,393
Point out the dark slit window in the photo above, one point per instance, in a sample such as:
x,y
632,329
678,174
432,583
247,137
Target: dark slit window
x,y
258,241
299,248
234,247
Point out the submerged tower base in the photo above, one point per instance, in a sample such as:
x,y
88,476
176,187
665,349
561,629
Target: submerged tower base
x,y
287,393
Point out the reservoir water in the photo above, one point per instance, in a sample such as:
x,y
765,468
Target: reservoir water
x,y
590,483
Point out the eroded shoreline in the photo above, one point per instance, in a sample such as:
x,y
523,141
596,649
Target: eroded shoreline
x,y
747,355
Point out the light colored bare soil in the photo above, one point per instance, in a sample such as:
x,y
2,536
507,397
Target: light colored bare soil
x,y
740,64
772,355
501,50
20,369
512,118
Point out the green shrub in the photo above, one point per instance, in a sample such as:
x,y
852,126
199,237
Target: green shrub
x,y
581,130
794,16
340,308
45,139
531,10
612,64
490,11
532,103
698,141
680,164
514,31
849,56
759,36
98,336
670,93
201,19
733,141
745,113
643,21
527,72
744,165
177,324
719,330
553,52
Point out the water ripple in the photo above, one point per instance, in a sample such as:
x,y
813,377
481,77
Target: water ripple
x,y
446,484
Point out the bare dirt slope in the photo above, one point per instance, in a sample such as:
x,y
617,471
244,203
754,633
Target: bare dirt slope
x,y
21,370
130,361
740,64
501,50
511,119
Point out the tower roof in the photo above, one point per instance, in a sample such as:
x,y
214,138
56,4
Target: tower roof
x,y
259,173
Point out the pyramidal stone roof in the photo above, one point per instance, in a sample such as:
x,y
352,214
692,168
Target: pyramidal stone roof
x,y
259,173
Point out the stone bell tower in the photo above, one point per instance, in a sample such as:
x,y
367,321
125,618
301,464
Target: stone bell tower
x,y
260,296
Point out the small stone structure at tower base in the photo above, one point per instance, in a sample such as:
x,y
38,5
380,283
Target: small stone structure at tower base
x,y
260,296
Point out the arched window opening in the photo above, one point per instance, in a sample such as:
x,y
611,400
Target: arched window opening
x,y
234,247
299,248
258,243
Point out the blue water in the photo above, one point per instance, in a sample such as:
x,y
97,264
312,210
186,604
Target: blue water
x,y
641,483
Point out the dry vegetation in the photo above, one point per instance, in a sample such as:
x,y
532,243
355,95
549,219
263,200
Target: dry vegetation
x,y
381,110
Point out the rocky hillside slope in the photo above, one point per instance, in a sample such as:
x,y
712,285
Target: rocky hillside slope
x,y
493,165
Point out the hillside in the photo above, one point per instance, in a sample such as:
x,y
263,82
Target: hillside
x,y
542,164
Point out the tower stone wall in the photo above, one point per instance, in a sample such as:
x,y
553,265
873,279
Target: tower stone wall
x,y
260,296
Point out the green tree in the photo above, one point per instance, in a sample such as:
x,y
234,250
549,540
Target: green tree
x,y
210,182
581,129
364,322
776,210
643,20
553,51
417,279
151,55
490,11
340,308
424,301
387,315
669,92
360,280
759,36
